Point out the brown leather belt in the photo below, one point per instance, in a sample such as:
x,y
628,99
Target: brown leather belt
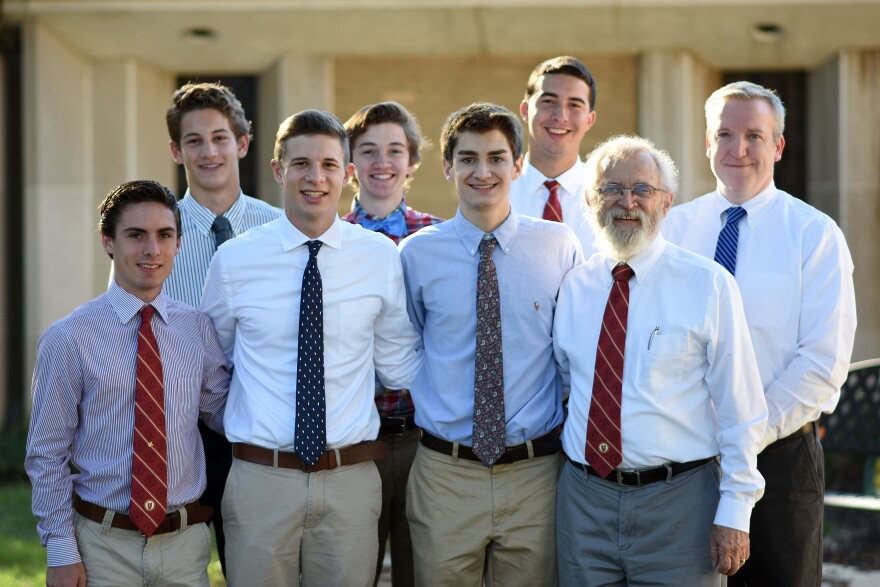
x,y
541,447
330,459
195,514
644,476
807,428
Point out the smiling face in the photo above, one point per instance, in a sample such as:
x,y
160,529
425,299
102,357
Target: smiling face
x,y
143,248
382,164
209,152
312,173
558,116
629,224
742,149
482,169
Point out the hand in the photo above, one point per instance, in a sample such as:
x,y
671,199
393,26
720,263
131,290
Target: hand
x,y
728,548
66,576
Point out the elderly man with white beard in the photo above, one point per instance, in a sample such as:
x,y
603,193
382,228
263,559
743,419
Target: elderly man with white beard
x,y
665,417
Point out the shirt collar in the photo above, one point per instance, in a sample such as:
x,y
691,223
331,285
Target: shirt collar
x,y
570,180
756,206
201,218
128,306
291,237
641,264
471,235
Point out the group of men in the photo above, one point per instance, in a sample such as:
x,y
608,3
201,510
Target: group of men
x,y
418,389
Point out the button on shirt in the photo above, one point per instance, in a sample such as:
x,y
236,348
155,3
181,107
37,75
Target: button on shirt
x,y
440,263
84,396
252,293
795,273
694,393
528,196
197,245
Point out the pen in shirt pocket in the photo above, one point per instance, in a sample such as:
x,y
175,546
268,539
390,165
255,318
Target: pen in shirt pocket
x,y
654,333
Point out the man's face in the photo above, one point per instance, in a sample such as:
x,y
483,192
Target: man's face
x,y
381,160
143,248
312,174
558,116
630,223
209,151
742,149
482,169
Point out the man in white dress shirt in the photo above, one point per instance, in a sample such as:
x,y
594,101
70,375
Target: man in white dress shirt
x,y
794,270
305,306
672,385
558,109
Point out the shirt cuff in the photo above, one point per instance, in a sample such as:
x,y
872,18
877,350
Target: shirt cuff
x,y
62,551
733,514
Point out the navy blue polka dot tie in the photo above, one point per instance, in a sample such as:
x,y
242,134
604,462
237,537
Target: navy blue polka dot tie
x,y
311,418
725,250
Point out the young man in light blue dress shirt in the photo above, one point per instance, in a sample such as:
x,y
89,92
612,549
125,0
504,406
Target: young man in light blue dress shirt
x,y
469,519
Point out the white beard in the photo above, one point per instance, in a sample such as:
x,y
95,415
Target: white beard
x,y
623,243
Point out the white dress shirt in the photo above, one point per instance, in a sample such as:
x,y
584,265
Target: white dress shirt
x,y
528,196
252,293
694,393
795,274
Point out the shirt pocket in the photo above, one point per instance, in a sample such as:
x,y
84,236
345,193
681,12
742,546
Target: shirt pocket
x,y
769,298
182,404
661,361
356,326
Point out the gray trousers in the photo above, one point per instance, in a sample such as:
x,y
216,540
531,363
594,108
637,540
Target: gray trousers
x,y
657,534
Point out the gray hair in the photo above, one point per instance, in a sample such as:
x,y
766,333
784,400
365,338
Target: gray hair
x,y
615,149
746,91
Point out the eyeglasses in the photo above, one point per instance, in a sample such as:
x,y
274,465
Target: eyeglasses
x,y
615,191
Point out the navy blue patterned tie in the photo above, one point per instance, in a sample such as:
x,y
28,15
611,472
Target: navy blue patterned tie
x,y
311,417
489,421
725,251
222,230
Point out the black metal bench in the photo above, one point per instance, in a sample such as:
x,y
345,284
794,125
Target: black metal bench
x,y
854,428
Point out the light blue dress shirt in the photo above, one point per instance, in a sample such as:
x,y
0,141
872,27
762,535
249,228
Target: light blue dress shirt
x,y
440,268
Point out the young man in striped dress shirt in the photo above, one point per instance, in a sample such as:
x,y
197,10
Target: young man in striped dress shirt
x,y
209,135
84,405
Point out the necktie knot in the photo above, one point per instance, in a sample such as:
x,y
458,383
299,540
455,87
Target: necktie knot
x,y
147,314
314,247
622,272
222,230
487,246
553,208
734,214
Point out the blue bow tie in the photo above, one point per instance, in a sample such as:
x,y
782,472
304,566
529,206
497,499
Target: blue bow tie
x,y
393,224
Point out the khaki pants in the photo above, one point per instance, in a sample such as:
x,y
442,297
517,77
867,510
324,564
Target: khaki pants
x,y
114,557
468,521
284,526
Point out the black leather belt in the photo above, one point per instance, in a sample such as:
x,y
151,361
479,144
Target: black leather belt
x,y
396,425
541,447
807,428
644,476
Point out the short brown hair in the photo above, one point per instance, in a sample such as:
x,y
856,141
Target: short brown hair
x,y
310,122
200,96
385,112
563,65
481,117
135,192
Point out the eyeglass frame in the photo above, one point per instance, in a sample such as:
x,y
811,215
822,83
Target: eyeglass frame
x,y
623,189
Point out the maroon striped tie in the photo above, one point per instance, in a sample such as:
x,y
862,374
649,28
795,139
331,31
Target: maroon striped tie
x,y
553,209
604,451
149,469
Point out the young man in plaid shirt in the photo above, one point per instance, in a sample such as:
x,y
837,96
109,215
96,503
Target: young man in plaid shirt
x,y
386,146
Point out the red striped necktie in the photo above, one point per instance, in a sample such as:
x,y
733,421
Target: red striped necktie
x,y
553,209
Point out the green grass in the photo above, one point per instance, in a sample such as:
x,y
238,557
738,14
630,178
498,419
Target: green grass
x,y
22,559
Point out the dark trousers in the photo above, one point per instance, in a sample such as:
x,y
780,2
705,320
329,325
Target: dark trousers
x,y
394,471
786,526
218,460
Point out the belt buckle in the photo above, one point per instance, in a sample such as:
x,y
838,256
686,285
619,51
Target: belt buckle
x,y
394,419
620,481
